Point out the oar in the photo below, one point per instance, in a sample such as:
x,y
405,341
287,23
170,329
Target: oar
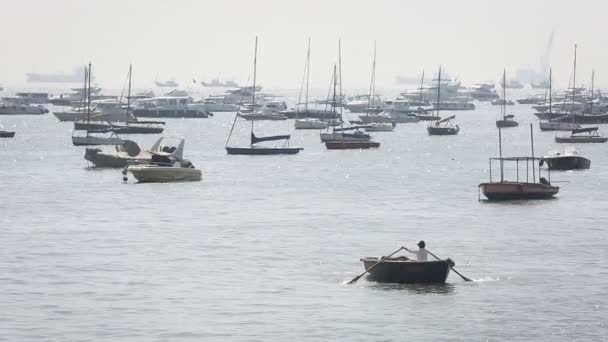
x,y
376,264
461,276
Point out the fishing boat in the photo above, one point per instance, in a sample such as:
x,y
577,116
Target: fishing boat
x,y
569,159
582,135
254,148
442,126
159,172
402,270
130,153
519,189
508,120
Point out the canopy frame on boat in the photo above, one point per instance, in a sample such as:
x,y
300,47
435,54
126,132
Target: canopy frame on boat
x,y
528,161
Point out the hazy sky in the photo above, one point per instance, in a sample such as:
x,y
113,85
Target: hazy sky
x,y
473,39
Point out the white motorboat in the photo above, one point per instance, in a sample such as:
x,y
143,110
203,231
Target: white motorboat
x,y
101,110
172,105
380,127
182,171
361,104
215,104
21,109
482,92
311,124
269,110
130,153
454,105
77,95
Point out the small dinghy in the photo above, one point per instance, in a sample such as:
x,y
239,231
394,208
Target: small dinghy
x,y
402,270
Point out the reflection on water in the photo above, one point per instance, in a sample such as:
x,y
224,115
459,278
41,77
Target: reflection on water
x,y
416,288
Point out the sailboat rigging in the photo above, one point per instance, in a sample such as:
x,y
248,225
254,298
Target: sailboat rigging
x,y
507,120
442,126
253,148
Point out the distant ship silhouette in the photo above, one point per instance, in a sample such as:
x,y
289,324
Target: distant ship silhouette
x,y
77,76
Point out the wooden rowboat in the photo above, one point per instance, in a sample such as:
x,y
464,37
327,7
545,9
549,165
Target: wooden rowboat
x,y
404,271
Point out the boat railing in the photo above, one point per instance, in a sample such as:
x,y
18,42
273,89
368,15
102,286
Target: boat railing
x,y
529,161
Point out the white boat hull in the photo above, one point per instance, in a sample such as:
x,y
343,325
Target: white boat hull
x,y
310,124
164,174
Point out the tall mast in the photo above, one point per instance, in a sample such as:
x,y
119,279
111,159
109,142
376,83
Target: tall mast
x,y
438,90
84,92
307,75
550,89
340,70
420,89
592,81
89,98
372,85
129,96
574,80
504,92
255,65
335,81
533,166
500,154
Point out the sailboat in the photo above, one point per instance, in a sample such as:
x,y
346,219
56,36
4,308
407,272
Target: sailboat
x,y
375,126
442,126
560,123
253,148
309,118
358,139
508,120
90,138
130,126
518,189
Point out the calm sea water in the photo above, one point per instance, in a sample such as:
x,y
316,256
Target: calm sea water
x,y
260,250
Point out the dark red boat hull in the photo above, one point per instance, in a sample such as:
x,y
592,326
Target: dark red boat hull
x,y
517,190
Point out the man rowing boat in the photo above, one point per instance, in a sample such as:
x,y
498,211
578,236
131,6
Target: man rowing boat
x,y
421,254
